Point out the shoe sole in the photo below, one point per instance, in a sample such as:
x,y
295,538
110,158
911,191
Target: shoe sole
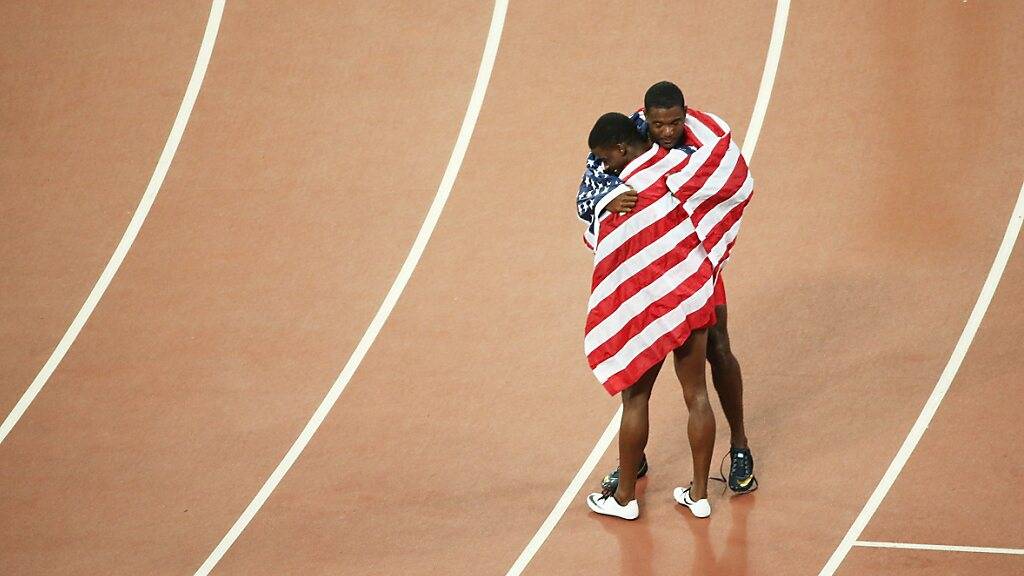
x,y
594,507
737,488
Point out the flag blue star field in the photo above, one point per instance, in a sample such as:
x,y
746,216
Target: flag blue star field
x,y
597,183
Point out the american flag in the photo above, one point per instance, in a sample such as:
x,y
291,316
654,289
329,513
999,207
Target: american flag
x,y
597,183
655,267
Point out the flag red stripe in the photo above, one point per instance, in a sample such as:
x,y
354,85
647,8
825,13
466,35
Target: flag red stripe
x,y
717,200
661,348
655,310
707,121
727,191
636,243
640,280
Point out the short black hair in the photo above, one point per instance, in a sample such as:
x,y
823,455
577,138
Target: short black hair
x,y
664,94
611,129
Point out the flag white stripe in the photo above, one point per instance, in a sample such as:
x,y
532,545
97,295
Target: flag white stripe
x,y
640,260
702,131
658,328
642,219
598,208
648,176
590,239
717,214
638,303
697,160
721,123
647,216
712,185
650,334
637,162
728,238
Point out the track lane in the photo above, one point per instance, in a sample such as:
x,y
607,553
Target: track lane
x,y
467,415
80,137
965,459
846,295
923,563
278,230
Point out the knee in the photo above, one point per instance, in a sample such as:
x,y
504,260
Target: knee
x,y
697,400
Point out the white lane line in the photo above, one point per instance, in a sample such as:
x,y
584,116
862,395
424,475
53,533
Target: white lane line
x,y
443,191
940,547
941,387
155,182
764,94
568,496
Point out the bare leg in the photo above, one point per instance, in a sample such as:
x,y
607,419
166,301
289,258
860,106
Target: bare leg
x,y
726,377
633,432
689,363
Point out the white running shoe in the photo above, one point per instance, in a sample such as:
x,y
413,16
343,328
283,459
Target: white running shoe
x,y
700,508
608,506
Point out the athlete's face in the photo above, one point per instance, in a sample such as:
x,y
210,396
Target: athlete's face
x,y
665,125
613,156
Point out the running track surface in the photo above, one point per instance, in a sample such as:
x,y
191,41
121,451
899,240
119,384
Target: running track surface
x,y
887,169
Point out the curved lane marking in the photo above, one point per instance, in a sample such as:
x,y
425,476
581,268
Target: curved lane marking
x,y
988,289
155,182
430,222
764,94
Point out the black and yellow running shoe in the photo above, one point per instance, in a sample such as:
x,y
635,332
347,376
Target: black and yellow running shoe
x,y
741,471
610,483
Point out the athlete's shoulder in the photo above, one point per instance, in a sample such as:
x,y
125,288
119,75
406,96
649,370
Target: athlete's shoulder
x,y
707,120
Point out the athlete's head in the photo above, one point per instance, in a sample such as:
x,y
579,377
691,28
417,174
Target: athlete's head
x,y
666,112
615,141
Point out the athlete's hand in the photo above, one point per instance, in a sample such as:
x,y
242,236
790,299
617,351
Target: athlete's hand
x,y
623,202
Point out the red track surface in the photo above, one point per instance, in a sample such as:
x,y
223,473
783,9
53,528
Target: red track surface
x,y
888,165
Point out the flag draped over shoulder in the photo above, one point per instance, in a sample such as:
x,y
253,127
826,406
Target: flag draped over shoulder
x,y
655,267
